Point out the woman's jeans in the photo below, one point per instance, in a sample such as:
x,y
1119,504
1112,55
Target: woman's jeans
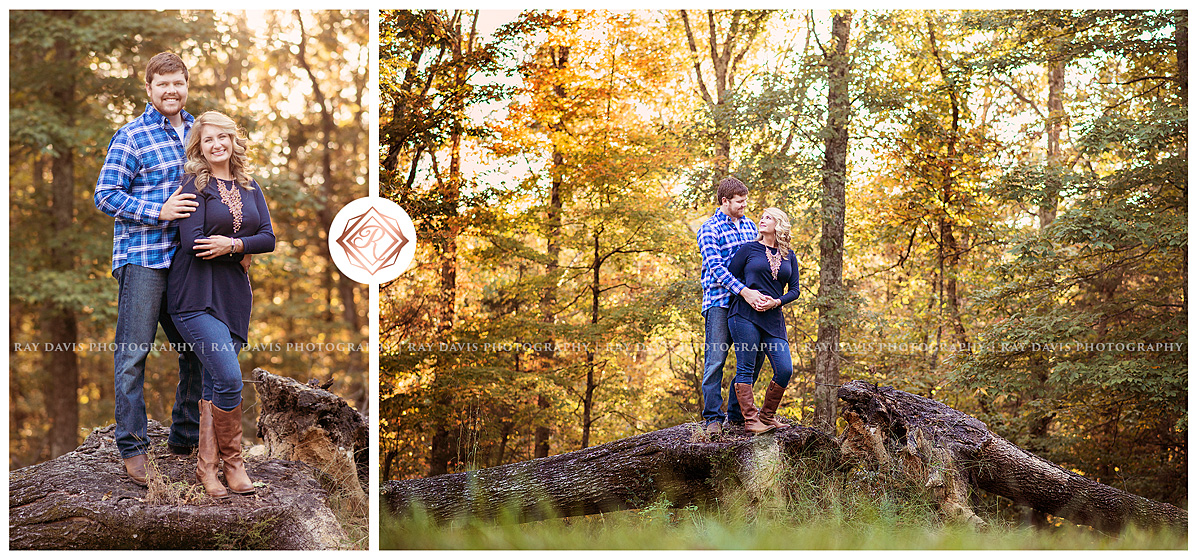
x,y
218,351
141,308
750,343
716,348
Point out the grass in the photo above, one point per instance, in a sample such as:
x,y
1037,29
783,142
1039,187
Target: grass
x,y
835,513
692,528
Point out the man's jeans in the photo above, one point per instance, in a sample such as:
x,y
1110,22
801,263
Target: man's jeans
x,y
751,343
218,350
141,307
717,342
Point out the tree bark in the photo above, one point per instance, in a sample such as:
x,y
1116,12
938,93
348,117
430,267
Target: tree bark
x,y
678,463
299,422
559,59
833,224
325,211
83,500
911,438
1056,79
951,453
62,366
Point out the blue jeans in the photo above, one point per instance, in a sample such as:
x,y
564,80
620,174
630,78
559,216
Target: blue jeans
x,y
716,348
752,343
141,308
218,350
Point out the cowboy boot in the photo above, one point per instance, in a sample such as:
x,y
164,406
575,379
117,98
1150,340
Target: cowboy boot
x,y
135,467
208,454
229,440
745,397
770,405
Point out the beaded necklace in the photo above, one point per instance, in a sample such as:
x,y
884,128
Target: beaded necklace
x,y
233,199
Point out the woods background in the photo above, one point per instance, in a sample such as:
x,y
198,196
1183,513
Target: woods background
x,y
1012,187
297,81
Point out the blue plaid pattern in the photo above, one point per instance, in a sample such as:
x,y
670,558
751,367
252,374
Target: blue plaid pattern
x,y
143,167
719,238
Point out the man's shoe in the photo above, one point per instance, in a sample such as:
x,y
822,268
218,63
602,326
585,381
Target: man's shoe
x,y
135,467
180,449
712,429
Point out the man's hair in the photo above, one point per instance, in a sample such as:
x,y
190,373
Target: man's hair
x,y
730,187
165,63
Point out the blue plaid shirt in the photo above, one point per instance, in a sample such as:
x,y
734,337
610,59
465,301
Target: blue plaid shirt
x,y
143,167
719,238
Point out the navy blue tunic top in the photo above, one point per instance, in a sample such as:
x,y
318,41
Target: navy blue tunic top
x,y
219,285
750,266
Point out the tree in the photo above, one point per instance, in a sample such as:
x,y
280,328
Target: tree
x,y
731,34
833,221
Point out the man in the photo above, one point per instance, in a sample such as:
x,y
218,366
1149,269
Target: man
x,y
719,238
139,186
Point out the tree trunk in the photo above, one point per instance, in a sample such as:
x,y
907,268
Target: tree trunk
x,y
833,224
1048,209
304,423
559,59
84,500
62,365
324,211
678,463
443,444
915,439
950,453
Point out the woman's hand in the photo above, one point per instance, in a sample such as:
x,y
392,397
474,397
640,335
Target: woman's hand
x,y
754,297
213,247
768,305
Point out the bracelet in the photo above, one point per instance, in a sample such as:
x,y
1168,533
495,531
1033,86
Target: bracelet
x,y
232,246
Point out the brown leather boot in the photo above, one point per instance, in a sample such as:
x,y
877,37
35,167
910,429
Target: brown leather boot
x,y
745,397
228,427
770,405
208,454
135,467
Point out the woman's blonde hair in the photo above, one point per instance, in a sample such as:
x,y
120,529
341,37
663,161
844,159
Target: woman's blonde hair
x,y
783,230
196,163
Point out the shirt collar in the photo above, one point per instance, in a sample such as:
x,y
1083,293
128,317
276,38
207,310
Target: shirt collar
x,y
727,217
154,116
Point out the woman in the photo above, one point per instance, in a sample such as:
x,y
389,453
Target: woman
x,y
767,265
208,289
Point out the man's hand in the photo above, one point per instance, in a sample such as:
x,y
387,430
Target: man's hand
x,y
178,206
755,298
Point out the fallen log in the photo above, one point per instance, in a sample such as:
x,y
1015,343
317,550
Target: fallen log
x,y
945,451
83,500
950,452
677,463
300,422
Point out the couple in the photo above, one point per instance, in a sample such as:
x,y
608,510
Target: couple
x,y
187,220
755,262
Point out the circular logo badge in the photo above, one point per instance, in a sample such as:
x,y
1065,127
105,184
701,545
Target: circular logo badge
x,y
372,240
